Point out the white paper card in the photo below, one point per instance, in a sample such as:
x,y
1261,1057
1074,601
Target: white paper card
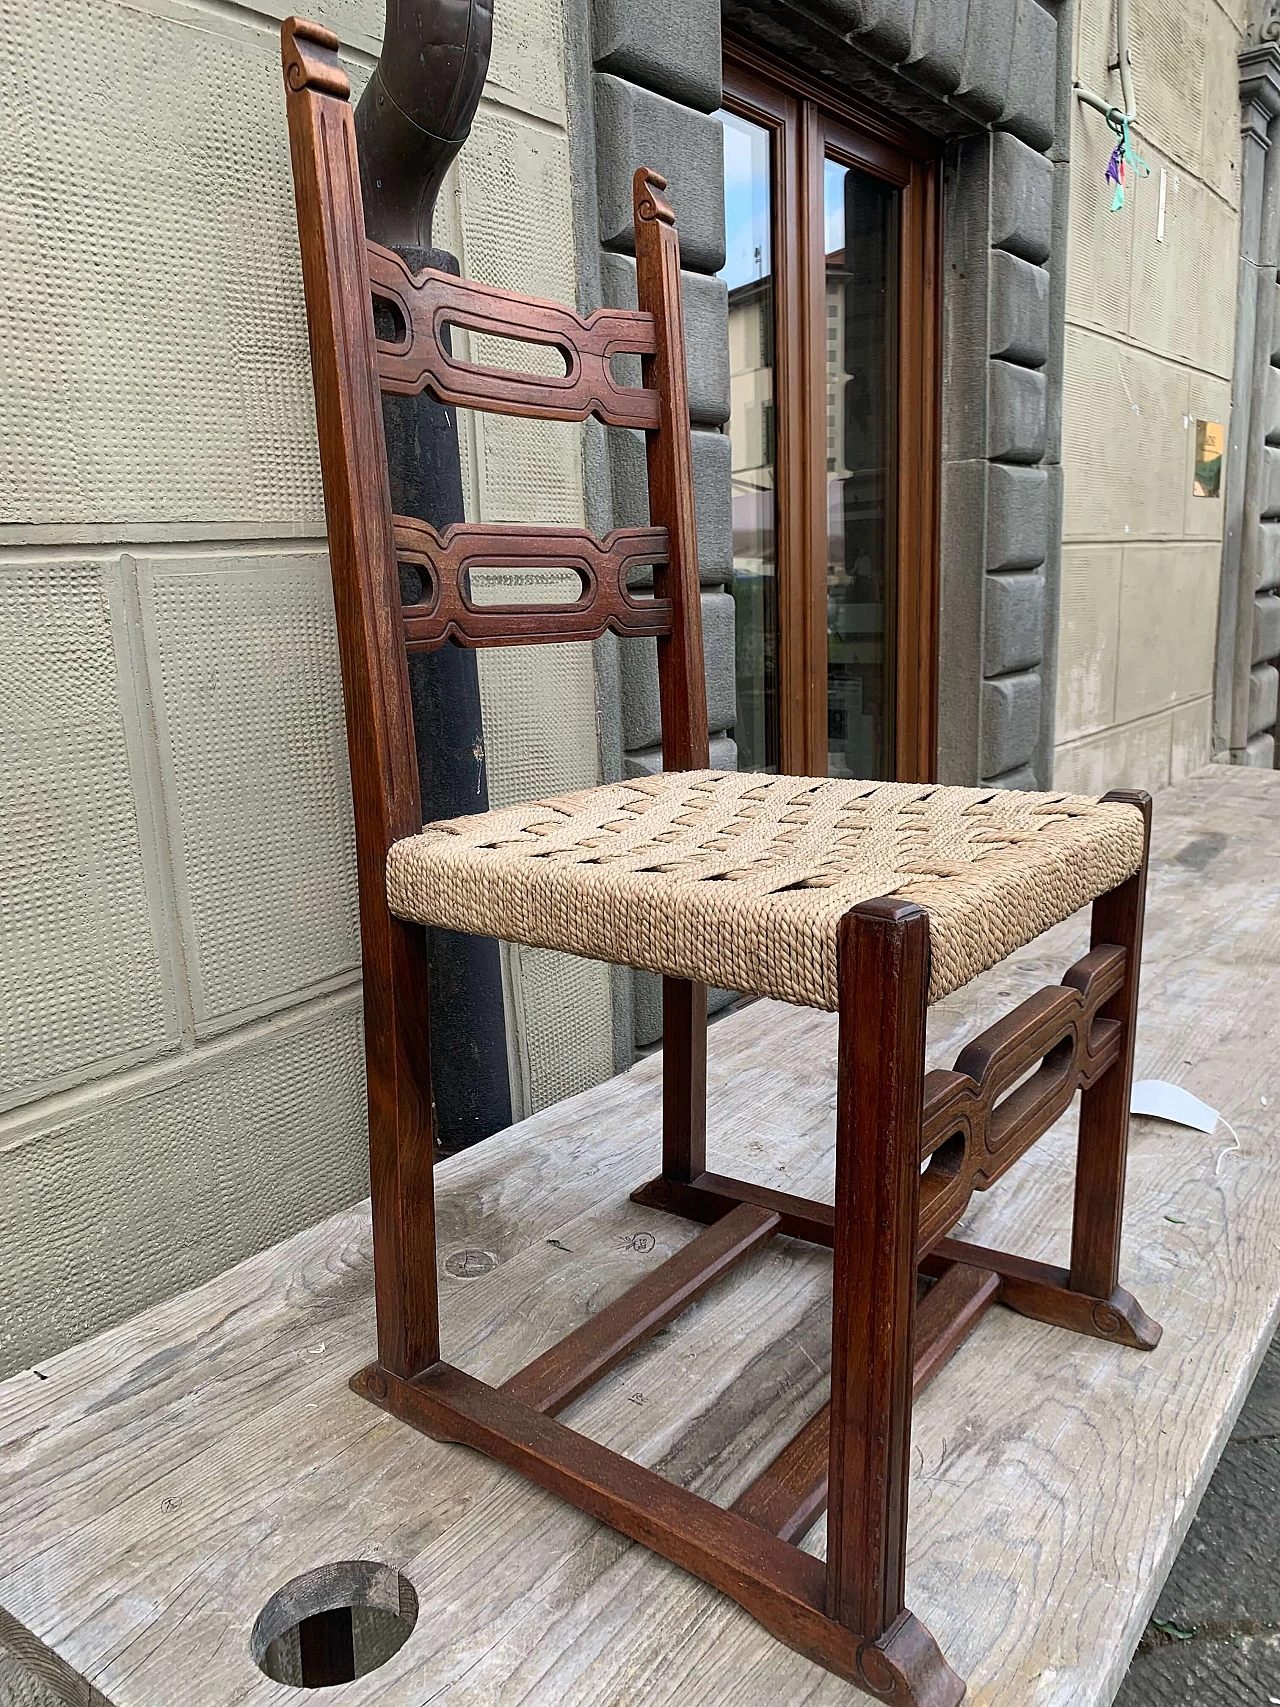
x,y
1171,1102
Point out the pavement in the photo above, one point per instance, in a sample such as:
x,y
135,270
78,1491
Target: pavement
x,y
1214,1639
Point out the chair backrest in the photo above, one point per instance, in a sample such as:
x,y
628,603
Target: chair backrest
x,y
343,272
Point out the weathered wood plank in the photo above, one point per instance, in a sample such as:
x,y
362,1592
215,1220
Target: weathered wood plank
x,y
582,1357
168,1476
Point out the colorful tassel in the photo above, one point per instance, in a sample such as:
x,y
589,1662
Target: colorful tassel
x,y
1122,152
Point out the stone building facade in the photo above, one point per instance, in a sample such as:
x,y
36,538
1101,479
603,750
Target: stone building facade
x,y
181,1072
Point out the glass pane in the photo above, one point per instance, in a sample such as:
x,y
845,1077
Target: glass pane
x,y
862,364
748,272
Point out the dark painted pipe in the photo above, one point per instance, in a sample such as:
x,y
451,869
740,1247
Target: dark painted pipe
x,y
417,108
412,119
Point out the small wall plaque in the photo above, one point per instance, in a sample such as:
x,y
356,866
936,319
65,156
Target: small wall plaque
x,y
1210,439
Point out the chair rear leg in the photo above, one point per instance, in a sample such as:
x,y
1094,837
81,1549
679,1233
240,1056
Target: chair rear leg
x,y
884,983
684,1080
1103,1147
401,1146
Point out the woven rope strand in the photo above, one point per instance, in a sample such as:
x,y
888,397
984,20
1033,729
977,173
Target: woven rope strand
x,y
742,880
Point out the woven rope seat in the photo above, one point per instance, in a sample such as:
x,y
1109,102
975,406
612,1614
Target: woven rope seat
x,y
741,880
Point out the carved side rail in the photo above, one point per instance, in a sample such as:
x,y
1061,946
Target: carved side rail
x,y
979,1119
1008,1087
429,301
447,608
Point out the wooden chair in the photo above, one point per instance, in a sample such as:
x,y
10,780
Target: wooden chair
x,y
868,898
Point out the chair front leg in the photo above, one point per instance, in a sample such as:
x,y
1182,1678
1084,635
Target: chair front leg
x,y
884,984
1103,1148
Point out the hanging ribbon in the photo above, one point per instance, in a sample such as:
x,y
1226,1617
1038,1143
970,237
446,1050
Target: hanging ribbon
x,y
1122,152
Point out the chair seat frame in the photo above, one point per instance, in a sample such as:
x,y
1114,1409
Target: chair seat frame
x,y
889,1225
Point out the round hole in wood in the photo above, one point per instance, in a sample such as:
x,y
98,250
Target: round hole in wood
x,y
334,1624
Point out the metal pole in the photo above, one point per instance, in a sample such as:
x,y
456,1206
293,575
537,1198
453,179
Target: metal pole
x,y
1129,109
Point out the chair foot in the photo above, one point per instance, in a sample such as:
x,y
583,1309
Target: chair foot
x,y
1040,1290
905,1667
781,1586
1121,1318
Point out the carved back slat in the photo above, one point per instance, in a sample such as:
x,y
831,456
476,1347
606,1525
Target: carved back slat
x,y
448,609
429,301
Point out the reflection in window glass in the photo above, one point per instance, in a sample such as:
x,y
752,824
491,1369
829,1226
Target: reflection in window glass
x,y
748,272
861,217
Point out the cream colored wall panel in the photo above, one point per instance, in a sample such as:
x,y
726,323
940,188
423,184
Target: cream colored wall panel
x,y
533,698
1099,254
514,222
1167,42
153,350
243,658
358,23
1208,399
1131,755
165,1183
84,986
1124,440
1168,606
1220,117
529,470
1136,650
1192,744
565,1024
527,64
1095,46
515,196
1167,45
1088,639
1183,290
525,69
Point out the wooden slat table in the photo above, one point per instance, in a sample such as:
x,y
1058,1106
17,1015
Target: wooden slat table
x,y
163,1479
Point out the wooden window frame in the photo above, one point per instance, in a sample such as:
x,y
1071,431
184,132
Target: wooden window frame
x,y
807,126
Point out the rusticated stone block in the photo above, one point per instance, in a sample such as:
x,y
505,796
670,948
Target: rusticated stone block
x,y
1021,198
665,45
635,127
1016,413
1010,722
712,498
1017,516
1019,310
1013,622
638,676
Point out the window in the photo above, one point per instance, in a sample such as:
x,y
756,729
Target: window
x,y
831,267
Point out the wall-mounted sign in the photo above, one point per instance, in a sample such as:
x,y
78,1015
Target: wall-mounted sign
x,y
1210,439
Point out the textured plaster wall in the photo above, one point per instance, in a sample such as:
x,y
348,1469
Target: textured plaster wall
x,y
1149,349
181,1075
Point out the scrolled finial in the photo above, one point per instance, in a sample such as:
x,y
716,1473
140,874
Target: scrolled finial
x,y
310,55
649,204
